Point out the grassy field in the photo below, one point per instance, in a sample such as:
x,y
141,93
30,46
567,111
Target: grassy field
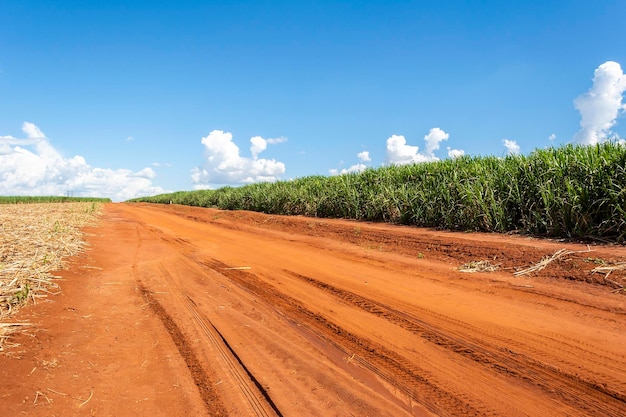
x,y
569,192
34,241
50,199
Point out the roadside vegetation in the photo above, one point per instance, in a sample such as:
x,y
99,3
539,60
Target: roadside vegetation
x,y
35,239
567,192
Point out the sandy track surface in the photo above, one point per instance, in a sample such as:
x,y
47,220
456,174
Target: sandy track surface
x,y
187,311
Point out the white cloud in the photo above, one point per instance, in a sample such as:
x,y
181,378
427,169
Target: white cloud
x,y
224,165
364,156
455,153
146,173
32,131
353,169
511,146
258,145
400,153
601,106
552,137
433,139
274,141
32,166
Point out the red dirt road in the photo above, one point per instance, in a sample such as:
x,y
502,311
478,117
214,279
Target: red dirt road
x,y
179,311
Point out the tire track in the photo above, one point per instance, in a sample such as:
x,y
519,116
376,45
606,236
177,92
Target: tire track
x,y
252,390
591,396
209,396
227,354
256,396
406,377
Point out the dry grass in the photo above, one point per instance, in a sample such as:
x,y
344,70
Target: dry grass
x,y
35,239
544,262
479,266
607,270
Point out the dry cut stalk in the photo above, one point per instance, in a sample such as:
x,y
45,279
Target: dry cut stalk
x,y
607,269
547,260
479,266
35,239
544,262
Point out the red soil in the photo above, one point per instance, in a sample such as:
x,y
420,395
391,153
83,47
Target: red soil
x,y
188,311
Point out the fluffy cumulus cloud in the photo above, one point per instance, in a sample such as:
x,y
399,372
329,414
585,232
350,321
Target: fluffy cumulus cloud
x,y
360,167
224,165
601,106
511,146
32,166
433,139
401,153
364,156
455,153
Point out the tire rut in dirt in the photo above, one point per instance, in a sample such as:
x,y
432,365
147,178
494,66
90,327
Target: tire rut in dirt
x,y
591,396
407,378
227,354
256,396
210,398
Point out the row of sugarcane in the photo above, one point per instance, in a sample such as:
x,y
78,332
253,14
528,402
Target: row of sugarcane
x,y
571,191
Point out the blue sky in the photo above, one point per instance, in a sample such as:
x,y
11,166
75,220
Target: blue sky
x,y
128,98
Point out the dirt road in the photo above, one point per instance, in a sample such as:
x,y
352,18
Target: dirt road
x,y
187,311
